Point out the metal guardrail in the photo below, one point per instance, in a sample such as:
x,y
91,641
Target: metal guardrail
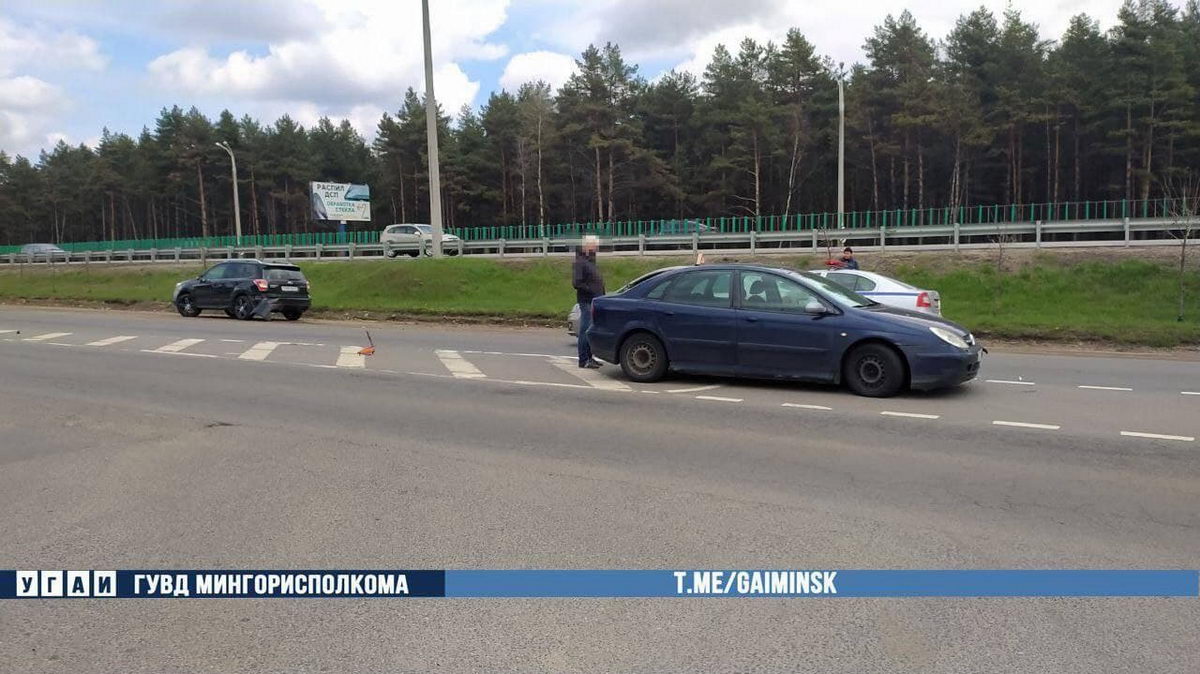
x,y
1117,232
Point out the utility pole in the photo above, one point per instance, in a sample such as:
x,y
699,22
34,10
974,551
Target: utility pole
x,y
841,212
237,209
435,180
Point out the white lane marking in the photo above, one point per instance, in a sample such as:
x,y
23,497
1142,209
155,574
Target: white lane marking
x,y
524,382
350,357
182,353
5,332
528,355
176,347
259,351
1106,388
48,335
1010,381
910,415
1023,424
694,389
1190,393
326,367
719,399
593,378
112,340
459,367
651,391
235,341
1158,436
806,407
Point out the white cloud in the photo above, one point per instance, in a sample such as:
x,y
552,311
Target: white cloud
x,y
29,104
23,46
550,67
685,32
366,54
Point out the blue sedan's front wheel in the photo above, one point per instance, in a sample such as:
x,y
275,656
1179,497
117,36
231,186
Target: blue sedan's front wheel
x,y
874,370
643,358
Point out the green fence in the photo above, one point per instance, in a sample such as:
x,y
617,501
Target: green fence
x,y
889,219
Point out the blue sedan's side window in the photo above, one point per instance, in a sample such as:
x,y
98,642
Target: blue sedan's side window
x,y
768,292
703,288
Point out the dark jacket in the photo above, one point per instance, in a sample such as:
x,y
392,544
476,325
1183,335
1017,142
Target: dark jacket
x,y
849,264
585,276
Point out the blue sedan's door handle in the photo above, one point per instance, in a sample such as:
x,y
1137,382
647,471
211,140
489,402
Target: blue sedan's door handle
x,y
665,312
751,319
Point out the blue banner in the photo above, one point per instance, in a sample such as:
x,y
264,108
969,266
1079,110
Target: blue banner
x,y
823,583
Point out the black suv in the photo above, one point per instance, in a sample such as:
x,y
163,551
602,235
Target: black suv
x,y
245,289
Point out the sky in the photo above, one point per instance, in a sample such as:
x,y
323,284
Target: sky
x,y
69,68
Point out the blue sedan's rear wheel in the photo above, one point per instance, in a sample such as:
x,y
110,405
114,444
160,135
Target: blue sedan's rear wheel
x,y
643,358
874,370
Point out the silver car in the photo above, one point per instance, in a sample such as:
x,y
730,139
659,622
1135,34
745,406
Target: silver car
x,y
885,290
573,314
412,239
43,251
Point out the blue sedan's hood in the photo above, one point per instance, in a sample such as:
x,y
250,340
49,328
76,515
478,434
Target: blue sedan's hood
x,y
914,319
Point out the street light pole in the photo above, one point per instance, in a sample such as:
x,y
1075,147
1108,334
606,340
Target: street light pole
x,y
237,208
841,217
431,123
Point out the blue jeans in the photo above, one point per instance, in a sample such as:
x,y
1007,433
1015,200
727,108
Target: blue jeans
x,y
585,322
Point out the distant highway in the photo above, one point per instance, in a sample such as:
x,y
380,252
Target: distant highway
x,y
140,440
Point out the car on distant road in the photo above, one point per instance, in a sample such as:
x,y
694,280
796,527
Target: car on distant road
x,y
244,289
573,314
755,321
43,251
672,227
885,289
412,239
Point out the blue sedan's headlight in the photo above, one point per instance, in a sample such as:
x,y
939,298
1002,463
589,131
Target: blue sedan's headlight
x,y
949,337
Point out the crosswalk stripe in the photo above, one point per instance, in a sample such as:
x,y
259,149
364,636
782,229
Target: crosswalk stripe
x,y
350,357
112,340
592,377
259,351
176,347
48,335
5,332
459,367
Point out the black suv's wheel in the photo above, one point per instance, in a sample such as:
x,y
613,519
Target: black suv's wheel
x,y
229,313
243,308
186,306
643,358
293,314
874,370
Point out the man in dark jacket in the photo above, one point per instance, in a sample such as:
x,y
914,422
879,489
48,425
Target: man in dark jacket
x,y
848,261
585,276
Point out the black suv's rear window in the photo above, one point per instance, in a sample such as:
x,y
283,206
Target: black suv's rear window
x,y
283,274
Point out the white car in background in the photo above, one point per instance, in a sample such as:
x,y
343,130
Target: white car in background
x,y
885,290
412,239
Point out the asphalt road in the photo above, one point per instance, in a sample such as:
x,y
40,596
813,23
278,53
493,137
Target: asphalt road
x,y
211,443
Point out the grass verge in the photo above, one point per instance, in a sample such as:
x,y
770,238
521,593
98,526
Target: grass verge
x,y
1045,297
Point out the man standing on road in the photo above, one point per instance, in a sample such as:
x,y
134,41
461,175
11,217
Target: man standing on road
x,y
585,276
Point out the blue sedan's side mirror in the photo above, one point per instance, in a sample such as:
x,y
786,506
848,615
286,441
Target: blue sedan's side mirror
x,y
815,307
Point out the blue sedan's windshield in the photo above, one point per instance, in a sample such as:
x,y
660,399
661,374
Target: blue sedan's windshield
x,y
835,292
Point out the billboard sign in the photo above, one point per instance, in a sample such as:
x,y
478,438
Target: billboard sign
x,y
341,201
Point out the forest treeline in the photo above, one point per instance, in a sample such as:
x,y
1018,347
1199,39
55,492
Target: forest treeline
x,y
991,113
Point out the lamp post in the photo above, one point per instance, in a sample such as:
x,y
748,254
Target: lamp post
x,y
237,209
435,181
841,194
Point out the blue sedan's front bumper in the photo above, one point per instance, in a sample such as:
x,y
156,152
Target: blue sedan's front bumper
x,y
937,368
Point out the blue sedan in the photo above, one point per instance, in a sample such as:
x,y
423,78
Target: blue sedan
x,y
752,321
